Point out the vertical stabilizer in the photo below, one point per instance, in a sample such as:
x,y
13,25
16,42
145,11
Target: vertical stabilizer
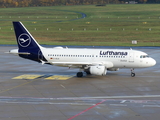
x,y
24,39
26,43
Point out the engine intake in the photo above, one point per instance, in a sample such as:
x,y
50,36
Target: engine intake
x,y
98,70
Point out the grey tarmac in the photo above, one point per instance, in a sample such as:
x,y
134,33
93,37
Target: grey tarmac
x,y
116,96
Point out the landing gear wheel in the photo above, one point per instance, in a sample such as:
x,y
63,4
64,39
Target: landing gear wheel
x,y
80,74
133,74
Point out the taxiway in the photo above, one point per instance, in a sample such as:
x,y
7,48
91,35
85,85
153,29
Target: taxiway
x,y
31,91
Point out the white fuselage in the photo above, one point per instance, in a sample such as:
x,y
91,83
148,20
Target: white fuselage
x,y
111,58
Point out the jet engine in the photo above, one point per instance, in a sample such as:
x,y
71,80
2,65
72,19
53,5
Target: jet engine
x,y
113,69
98,70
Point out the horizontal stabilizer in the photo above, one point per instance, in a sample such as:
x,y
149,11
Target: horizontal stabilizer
x,y
15,51
22,53
44,62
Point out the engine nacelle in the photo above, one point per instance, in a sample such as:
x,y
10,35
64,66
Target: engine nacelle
x,y
98,70
113,69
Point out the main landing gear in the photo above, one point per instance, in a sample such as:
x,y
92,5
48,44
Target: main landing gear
x,y
132,72
80,74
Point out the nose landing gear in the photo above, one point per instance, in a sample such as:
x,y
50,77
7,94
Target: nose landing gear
x,y
132,72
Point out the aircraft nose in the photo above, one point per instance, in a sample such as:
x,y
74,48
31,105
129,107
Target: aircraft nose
x,y
152,62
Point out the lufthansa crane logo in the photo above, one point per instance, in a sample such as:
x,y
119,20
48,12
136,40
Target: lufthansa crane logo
x,y
24,40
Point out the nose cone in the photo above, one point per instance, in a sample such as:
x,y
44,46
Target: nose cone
x,y
153,62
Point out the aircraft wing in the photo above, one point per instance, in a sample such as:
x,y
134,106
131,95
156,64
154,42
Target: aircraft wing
x,y
67,63
80,64
72,63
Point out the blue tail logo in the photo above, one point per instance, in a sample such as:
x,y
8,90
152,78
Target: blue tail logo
x,y
24,40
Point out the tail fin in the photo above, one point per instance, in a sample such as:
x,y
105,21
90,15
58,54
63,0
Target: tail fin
x,y
25,40
26,43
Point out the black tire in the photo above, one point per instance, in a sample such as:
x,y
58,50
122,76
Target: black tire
x,y
133,74
80,74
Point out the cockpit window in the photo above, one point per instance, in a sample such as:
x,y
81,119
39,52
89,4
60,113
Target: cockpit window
x,y
144,56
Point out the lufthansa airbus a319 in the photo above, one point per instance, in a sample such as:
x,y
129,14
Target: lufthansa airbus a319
x,y
91,61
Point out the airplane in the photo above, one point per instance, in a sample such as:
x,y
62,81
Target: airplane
x,y
92,61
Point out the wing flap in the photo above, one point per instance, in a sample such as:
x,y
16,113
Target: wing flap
x,y
79,63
